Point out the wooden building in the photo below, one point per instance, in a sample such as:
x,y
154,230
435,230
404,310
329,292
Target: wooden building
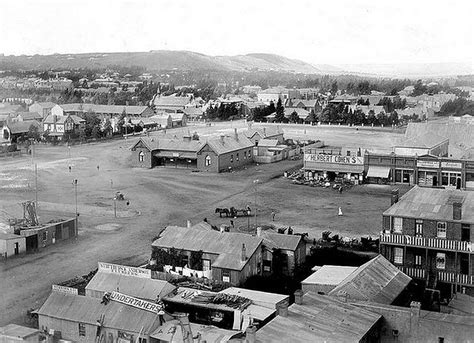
x,y
11,245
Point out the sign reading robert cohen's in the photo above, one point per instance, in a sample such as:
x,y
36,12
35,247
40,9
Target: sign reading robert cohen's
x,y
135,302
124,270
333,159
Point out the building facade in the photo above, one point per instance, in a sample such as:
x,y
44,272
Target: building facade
x,y
429,235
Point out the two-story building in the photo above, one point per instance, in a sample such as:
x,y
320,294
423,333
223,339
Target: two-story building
x,y
46,108
224,256
59,127
429,233
271,132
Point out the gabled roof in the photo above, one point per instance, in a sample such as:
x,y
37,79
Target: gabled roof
x,y
319,319
281,241
193,111
143,288
377,280
425,140
228,245
265,299
264,132
268,142
15,332
172,101
301,112
47,104
170,144
433,204
226,144
329,275
82,309
21,126
29,116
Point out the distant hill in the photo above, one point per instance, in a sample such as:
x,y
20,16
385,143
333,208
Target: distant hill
x,y
160,60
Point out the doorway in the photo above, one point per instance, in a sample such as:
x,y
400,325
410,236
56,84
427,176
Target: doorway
x,y
458,183
17,248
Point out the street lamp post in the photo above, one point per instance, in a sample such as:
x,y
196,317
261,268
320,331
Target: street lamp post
x,y
256,192
74,182
115,206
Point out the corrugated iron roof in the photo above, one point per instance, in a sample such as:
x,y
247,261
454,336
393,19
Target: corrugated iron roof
x,y
113,109
266,132
81,309
377,280
319,319
226,144
225,244
22,126
148,289
281,241
15,332
433,204
264,299
172,101
171,332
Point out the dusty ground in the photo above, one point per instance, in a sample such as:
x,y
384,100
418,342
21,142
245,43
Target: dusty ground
x,y
160,197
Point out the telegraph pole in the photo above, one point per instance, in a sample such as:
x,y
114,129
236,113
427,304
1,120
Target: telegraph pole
x,y
256,183
36,186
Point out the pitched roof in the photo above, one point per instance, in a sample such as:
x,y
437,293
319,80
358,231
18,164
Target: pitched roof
x,y
281,241
22,126
433,204
301,112
46,104
6,236
168,144
329,275
319,319
171,101
225,144
425,140
268,142
228,245
112,109
377,280
78,308
265,299
15,332
193,111
264,132
138,287
29,115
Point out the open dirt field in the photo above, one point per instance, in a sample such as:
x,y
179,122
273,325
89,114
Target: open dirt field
x,y
161,197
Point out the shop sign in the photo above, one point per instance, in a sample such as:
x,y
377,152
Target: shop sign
x,y
64,289
427,164
453,165
338,159
124,270
135,302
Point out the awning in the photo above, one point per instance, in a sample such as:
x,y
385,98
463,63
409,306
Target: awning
x,y
381,172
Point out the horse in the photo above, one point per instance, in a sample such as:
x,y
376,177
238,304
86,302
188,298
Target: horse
x,y
221,211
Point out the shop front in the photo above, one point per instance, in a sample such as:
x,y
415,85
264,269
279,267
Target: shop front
x,y
451,175
329,167
428,173
404,176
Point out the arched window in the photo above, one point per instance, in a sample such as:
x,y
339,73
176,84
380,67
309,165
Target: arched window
x,y
208,160
141,156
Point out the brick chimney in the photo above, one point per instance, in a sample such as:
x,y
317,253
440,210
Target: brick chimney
x,y
243,256
299,297
222,139
282,308
264,132
188,224
259,231
251,334
415,308
394,196
457,211
235,134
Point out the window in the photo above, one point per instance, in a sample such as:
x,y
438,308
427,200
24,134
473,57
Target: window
x,y
440,339
237,157
141,340
267,265
417,260
419,228
184,260
231,158
444,179
206,265
398,255
440,260
245,155
141,156
45,235
441,230
207,161
82,329
225,275
397,225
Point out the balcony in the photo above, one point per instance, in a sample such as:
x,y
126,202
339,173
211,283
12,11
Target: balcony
x,y
421,242
461,279
449,277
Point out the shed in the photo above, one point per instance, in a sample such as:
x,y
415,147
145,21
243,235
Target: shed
x,y
11,244
17,333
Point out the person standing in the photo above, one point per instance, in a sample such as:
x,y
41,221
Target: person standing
x,y
273,216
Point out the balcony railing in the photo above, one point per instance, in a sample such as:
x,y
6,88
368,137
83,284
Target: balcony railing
x,y
422,242
461,279
449,277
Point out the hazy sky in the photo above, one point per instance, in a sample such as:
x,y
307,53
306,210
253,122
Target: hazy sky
x,y
333,32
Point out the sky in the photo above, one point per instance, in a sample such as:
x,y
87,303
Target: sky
x,y
326,32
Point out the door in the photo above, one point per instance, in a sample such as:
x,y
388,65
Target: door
x,y
458,183
464,264
465,233
17,248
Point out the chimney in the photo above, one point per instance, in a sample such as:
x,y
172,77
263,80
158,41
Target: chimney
x,y
457,210
299,297
394,197
222,139
236,135
259,231
244,253
264,132
251,334
415,307
188,224
187,138
282,308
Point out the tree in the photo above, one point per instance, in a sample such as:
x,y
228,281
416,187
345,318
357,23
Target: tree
x,y
33,133
419,89
334,88
294,118
312,117
92,127
280,112
107,130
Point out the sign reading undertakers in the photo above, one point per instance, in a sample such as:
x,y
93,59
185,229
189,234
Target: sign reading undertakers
x,y
64,289
124,270
135,302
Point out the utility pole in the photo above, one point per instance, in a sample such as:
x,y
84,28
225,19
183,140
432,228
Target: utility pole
x,y
256,191
74,182
115,206
36,186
